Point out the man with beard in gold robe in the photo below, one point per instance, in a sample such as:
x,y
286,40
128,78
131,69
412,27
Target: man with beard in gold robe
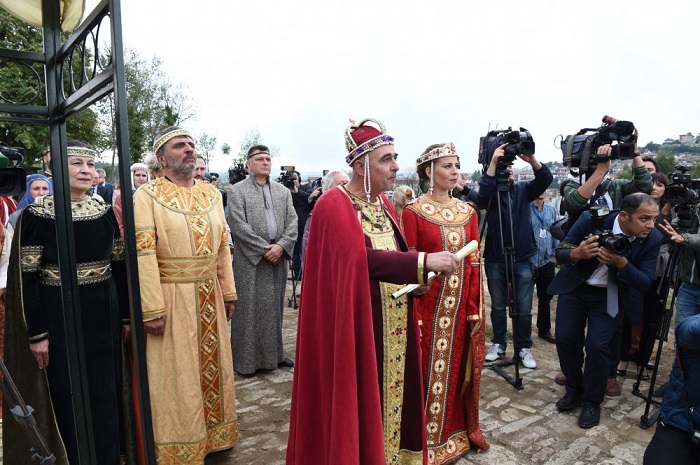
x,y
187,294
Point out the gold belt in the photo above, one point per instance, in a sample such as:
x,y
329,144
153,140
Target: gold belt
x,y
88,273
187,269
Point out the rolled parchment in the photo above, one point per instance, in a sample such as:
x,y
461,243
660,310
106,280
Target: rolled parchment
x,y
461,254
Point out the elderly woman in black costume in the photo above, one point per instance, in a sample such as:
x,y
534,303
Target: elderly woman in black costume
x,y
36,342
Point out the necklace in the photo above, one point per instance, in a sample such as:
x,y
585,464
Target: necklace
x,y
372,213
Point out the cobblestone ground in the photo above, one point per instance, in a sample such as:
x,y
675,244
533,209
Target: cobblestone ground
x,y
522,426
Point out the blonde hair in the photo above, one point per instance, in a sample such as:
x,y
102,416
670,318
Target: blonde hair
x,y
403,195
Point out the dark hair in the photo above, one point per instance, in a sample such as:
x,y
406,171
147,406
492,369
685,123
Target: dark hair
x,y
563,185
660,178
258,148
420,169
651,159
632,202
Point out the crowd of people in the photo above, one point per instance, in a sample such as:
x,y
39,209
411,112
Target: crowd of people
x,y
383,373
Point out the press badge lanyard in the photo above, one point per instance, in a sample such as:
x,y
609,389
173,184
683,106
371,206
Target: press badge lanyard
x,y
543,230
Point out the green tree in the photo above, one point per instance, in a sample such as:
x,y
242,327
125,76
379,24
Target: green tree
x,y
205,146
20,83
666,160
250,138
476,175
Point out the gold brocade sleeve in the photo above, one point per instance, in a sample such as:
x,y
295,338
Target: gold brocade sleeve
x,y
224,264
152,302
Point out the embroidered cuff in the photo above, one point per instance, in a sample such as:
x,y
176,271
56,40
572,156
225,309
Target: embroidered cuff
x,y
39,337
230,297
421,268
153,314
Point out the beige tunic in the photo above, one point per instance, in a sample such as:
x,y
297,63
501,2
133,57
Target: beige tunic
x,y
185,276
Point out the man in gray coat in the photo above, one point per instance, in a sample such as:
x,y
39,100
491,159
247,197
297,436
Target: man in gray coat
x,y
264,228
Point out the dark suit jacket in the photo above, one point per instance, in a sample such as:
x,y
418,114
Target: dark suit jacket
x,y
633,280
106,191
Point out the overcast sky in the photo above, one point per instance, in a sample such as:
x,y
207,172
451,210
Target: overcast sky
x,y
430,71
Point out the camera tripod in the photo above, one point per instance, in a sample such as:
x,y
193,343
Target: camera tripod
x,y
292,301
22,413
661,323
507,245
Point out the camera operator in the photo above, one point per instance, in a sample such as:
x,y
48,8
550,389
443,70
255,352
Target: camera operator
x,y
592,284
303,202
514,206
688,296
599,189
677,436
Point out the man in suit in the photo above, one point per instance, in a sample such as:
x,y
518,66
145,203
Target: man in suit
x,y
595,286
103,188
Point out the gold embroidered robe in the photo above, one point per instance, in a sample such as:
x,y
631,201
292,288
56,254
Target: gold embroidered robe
x,y
185,276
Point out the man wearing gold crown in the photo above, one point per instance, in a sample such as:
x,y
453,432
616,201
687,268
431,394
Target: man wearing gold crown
x,y
187,294
357,394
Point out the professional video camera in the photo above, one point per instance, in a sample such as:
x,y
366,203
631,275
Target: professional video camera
x,y
519,143
237,173
616,243
684,194
12,177
287,176
580,149
317,182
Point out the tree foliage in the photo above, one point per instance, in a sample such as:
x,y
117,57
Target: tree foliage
x,y
206,144
152,104
666,160
251,138
21,83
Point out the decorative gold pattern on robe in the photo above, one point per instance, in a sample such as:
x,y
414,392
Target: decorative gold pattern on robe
x,y
30,257
81,210
88,273
394,339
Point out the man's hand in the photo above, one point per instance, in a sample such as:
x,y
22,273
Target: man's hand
x,y
609,258
126,333
442,262
475,328
497,155
273,253
229,309
40,350
532,161
155,327
585,250
420,290
316,192
671,233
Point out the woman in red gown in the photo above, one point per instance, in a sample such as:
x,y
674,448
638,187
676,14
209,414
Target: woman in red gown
x,y
451,313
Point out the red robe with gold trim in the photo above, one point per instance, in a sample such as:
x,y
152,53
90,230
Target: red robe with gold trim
x,y
350,384
451,358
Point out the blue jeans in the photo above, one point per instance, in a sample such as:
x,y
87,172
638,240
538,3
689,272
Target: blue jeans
x,y
523,289
687,302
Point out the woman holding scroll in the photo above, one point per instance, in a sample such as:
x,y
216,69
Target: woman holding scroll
x,y
451,313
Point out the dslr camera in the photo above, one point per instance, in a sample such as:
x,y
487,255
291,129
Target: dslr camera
x,y
579,150
287,177
237,173
519,143
616,243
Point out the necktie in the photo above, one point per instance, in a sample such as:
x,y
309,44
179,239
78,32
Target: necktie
x,y
612,294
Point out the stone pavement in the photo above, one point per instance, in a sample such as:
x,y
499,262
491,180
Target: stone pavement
x,y
523,427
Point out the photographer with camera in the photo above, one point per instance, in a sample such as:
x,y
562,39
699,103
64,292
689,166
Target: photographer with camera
x,y
595,285
303,202
677,436
497,189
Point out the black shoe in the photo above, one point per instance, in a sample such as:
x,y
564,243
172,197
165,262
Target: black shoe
x,y
287,363
547,336
569,402
590,416
621,373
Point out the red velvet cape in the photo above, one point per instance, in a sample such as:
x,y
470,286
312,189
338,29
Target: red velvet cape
x,y
336,415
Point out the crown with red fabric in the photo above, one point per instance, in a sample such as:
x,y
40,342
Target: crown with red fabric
x,y
360,139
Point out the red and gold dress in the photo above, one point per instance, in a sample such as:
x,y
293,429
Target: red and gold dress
x,y
452,357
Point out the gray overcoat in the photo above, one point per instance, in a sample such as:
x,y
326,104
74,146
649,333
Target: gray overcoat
x,y
256,326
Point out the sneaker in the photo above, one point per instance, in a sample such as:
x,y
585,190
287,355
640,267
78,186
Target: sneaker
x,y
495,352
527,358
